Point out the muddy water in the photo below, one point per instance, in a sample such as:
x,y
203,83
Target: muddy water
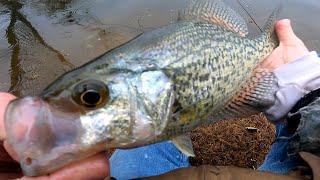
x,y
41,39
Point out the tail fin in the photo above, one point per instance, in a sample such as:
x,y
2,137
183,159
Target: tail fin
x,y
268,30
268,36
273,17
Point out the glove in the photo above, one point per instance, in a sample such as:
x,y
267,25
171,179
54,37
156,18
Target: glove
x,y
295,80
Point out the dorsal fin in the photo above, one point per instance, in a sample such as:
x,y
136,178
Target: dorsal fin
x,y
217,12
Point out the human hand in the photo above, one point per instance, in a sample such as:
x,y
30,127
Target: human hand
x,y
95,167
290,47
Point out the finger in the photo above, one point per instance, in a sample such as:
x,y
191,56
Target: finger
x,y
5,98
284,30
95,167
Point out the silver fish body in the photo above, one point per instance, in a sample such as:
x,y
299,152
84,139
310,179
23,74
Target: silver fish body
x,y
159,85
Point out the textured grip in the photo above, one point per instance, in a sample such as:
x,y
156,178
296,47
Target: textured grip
x,y
304,119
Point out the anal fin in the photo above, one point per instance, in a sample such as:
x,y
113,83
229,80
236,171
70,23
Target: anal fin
x,y
257,95
184,144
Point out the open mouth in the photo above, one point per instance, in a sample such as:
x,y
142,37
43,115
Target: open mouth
x,y
43,139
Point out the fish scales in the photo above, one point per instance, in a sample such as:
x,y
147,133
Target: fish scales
x,y
199,58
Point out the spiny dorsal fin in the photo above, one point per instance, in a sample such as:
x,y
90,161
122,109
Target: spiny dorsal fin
x,y
217,12
184,144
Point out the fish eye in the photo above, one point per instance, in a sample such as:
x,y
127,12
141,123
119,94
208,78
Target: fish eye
x,y
91,94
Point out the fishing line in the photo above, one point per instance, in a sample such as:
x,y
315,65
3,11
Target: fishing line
x,y
249,15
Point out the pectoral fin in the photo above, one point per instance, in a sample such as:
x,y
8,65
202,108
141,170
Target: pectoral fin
x,y
184,144
217,12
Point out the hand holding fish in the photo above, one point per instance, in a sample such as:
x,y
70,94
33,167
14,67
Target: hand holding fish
x,y
290,48
95,167
297,78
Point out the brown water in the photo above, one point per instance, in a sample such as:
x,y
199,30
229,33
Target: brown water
x,y
41,39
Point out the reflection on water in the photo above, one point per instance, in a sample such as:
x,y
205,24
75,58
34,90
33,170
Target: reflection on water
x,y
41,39
47,6
5,49
32,60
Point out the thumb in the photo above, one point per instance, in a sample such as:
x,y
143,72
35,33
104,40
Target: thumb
x,y
284,30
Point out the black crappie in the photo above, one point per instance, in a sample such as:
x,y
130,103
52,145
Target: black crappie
x,y
156,87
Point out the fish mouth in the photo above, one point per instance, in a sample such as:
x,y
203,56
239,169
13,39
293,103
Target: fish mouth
x,y
43,138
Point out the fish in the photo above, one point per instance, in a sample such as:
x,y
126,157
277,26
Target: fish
x,y
157,87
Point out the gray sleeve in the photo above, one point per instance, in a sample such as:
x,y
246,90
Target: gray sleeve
x,y
295,80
